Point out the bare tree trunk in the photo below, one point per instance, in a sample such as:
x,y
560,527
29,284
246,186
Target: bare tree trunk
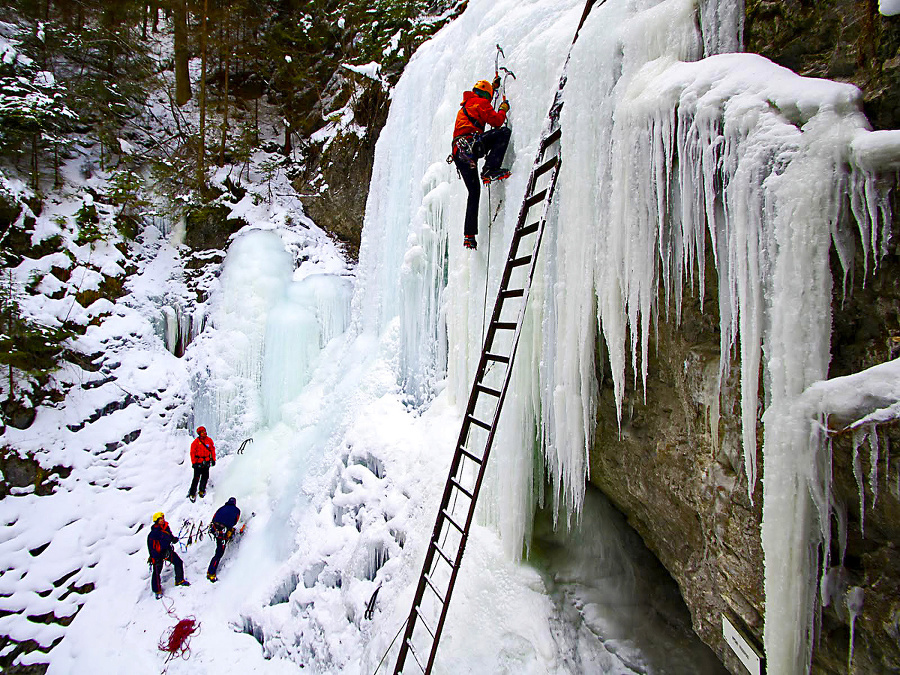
x,y
226,69
35,173
201,150
182,75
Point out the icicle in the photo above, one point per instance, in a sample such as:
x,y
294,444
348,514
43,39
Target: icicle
x,y
873,463
853,601
859,437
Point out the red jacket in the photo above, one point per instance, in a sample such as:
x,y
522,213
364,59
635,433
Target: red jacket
x,y
203,450
481,111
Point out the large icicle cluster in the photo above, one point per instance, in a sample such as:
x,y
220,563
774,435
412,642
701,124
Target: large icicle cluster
x,y
769,166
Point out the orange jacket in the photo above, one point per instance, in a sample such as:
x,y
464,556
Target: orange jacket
x,y
203,450
480,110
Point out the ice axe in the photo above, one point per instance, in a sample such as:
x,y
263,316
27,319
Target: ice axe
x,y
506,73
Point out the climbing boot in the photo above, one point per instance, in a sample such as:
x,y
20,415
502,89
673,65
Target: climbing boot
x,y
202,494
183,582
469,241
158,595
491,175
211,577
192,496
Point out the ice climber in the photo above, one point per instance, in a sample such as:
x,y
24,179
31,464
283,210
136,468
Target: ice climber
x,y
159,543
471,142
203,455
222,528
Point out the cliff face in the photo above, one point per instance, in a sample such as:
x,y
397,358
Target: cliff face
x,y
683,490
686,494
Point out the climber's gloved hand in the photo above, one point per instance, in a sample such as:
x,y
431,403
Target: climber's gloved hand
x,y
504,106
496,83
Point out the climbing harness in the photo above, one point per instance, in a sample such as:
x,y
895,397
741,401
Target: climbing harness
x,y
176,641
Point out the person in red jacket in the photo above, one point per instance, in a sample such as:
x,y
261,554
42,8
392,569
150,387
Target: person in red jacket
x,y
471,142
203,455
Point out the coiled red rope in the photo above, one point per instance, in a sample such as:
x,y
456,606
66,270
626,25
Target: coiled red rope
x,y
176,641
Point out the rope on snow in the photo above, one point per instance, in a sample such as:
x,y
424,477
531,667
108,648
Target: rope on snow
x,y
176,641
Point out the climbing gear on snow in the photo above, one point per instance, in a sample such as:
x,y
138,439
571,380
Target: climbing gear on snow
x,y
176,641
370,606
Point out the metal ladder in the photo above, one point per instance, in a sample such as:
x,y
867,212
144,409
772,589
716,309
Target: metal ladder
x,y
479,426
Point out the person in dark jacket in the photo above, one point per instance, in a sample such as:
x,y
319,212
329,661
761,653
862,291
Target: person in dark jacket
x,y
222,528
471,142
203,455
159,544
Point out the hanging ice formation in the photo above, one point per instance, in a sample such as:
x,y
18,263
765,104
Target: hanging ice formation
x,y
274,329
664,150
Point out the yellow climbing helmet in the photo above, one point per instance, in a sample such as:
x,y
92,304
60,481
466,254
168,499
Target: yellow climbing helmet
x,y
485,86
158,515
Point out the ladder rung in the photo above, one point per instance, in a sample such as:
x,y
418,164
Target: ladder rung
x,y
423,622
514,293
441,553
478,423
468,454
412,651
546,166
462,489
434,588
452,522
525,230
496,357
488,390
552,138
518,262
535,199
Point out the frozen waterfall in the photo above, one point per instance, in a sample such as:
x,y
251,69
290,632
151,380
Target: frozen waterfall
x,y
665,153
673,152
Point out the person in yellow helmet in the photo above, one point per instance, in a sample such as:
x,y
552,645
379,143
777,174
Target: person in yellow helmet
x,y
471,142
159,543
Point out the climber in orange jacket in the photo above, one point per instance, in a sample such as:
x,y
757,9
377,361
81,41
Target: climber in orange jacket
x,y
203,455
471,142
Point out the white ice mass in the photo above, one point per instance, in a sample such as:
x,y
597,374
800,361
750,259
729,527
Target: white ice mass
x,y
351,385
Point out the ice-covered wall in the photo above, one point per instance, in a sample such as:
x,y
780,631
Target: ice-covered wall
x,y
269,332
664,154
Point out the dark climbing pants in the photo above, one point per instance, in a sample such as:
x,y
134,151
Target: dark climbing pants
x,y
201,475
157,563
493,148
221,542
